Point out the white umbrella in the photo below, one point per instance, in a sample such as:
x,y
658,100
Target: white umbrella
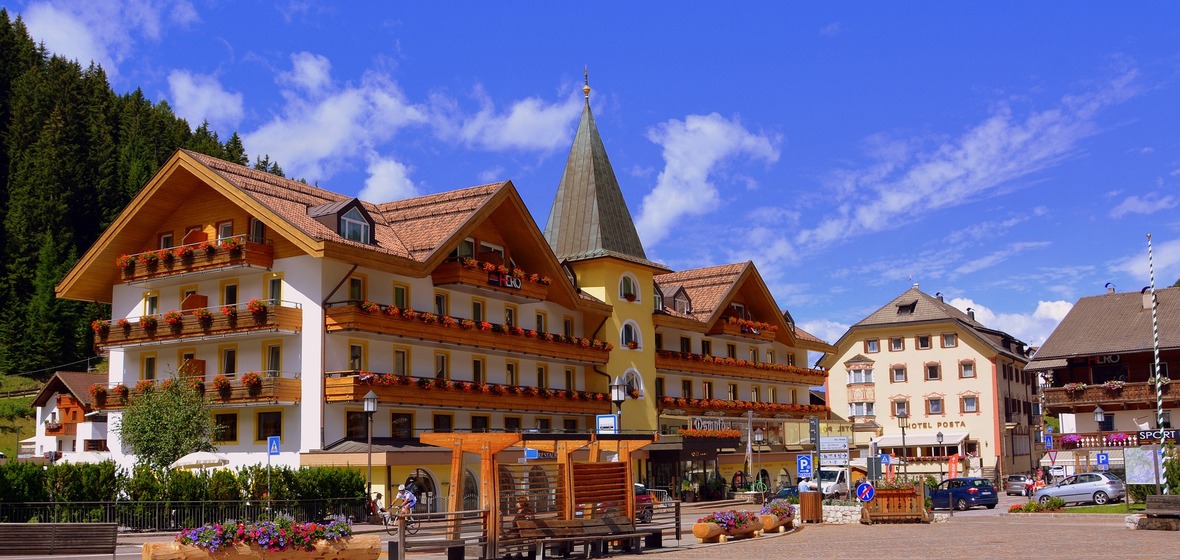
x,y
200,460
86,457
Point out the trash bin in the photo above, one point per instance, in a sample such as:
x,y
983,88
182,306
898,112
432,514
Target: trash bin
x,y
811,507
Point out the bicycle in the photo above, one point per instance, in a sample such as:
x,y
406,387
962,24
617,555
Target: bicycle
x,y
390,523
759,486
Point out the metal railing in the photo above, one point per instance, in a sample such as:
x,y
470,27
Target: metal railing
x,y
177,515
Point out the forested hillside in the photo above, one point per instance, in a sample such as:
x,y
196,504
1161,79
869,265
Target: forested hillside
x,y
73,154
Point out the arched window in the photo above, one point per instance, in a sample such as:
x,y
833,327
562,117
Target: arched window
x,y
630,335
634,383
628,287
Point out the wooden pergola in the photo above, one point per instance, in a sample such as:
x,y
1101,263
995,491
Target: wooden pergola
x,y
579,482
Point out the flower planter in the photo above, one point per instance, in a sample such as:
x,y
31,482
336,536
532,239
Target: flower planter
x,y
356,547
712,532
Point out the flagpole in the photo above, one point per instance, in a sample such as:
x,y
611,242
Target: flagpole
x,y
1155,366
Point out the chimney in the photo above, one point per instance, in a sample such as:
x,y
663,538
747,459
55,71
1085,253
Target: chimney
x,y
971,313
938,295
1109,288
1147,298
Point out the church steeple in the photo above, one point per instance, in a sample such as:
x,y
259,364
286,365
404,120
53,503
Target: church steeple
x,y
589,217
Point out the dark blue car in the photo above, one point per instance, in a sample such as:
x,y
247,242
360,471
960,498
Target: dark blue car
x,y
784,493
964,493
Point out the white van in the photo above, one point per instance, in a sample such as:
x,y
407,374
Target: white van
x,y
833,482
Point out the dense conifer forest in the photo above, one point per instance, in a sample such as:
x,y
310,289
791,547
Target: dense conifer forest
x,y
73,154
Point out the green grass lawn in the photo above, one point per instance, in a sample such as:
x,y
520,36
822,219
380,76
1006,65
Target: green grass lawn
x,y
1108,508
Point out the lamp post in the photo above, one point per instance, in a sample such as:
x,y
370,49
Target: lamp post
x,y
938,437
902,417
370,408
759,437
618,394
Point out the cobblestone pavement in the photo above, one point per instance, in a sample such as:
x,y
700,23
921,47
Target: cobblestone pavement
x,y
1001,536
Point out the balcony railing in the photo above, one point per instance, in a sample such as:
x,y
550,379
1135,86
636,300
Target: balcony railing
x,y
240,250
1083,440
744,329
683,406
477,276
443,329
271,388
730,367
61,428
1073,397
352,386
256,316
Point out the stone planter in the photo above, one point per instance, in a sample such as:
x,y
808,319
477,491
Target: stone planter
x,y
712,532
775,524
356,547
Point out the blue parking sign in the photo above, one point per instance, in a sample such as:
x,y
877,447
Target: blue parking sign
x,y
1103,460
803,465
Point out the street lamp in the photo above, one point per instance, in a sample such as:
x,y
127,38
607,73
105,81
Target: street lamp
x,y
618,394
759,437
1099,417
370,408
938,437
902,417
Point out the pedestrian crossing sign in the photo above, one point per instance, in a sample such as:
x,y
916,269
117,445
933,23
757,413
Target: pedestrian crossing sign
x,y
272,445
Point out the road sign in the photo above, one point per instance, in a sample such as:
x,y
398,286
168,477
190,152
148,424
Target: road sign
x,y
608,424
530,453
813,428
803,466
834,443
1052,457
833,459
1103,460
873,465
885,460
1049,429
1048,442
272,445
865,492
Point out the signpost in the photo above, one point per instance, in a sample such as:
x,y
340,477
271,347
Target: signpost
x,y
608,424
272,450
833,459
1048,442
1103,461
1052,457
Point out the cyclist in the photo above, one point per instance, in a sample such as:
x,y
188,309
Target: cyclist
x,y
407,499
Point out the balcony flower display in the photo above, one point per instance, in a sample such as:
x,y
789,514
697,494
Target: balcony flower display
x,y
222,385
184,253
166,256
122,392
174,318
748,325
150,259
230,312
204,317
98,393
126,263
737,362
740,406
1117,438
252,381
1070,441
124,325
210,248
474,264
257,308
148,323
1114,385
100,327
231,244
1074,389
368,307
725,434
144,386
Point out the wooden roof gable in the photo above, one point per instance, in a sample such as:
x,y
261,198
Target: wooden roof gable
x,y
713,289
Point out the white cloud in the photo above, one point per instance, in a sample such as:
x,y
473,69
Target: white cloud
x,y
825,330
1165,258
101,30
692,150
198,98
492,175
1031,328
310,72
1147,204
830,30
990,230
528,124
389,180
997,257
907,182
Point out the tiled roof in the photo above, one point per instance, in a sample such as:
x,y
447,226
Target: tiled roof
x,y
1114,323
804,335
76,383
915,307
411,228
706,287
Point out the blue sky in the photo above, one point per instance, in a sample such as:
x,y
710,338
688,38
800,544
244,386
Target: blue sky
x,y
1012,156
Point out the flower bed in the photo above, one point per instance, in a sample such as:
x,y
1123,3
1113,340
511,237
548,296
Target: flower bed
x,y
282,538
719,525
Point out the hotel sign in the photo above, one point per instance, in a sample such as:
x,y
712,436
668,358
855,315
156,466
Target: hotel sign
x,y
1156,435
717,423
504,280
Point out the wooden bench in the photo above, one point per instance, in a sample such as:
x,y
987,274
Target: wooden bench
x,y
593,534
49,539
1163,506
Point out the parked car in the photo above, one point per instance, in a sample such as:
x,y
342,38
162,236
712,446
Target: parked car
x,y
786,492
1018,485
964,493
644,504
1086,487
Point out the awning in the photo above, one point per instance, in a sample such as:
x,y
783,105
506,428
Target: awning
x,y
920,438
1067,458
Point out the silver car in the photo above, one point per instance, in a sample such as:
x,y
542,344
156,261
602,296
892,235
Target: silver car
x,y
1086,487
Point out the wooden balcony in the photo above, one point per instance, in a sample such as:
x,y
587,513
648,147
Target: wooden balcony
x,y
349,387
448,330
674,406
276,319
196,258
61,428
744,369
273,390
1098,440
743,330
473,278
1131,396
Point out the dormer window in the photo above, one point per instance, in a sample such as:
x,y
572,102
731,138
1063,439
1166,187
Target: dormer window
x,y
657,299
683,305
354,227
